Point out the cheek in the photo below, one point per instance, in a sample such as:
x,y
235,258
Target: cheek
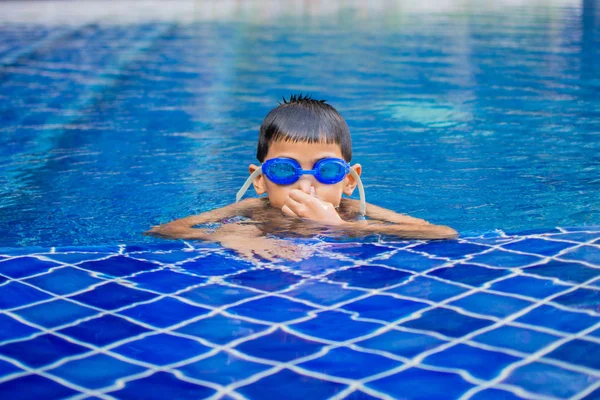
x,y
277,194
330,193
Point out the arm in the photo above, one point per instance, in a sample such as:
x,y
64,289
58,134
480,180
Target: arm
x,y
183,228
406,230
383,214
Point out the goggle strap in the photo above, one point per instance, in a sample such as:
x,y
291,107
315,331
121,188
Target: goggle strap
x,y
361,192
247,184
252,177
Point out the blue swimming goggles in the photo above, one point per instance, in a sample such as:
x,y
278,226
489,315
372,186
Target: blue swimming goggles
x,y
285,171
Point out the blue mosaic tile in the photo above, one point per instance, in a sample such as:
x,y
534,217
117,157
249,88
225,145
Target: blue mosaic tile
x,y
512,337
578,352
280,346
24,266
217,295
413,261
112,296
369,276
469,274
16,294
41,350
74,258
168,257
317,265
118,266
104,330
549,380
3,280
55,313
161,349
221,330
384,308
428,289
64,281
495,394
320,326
404,344
34,387
361,251
11,329
222,368
265,279
482,364
565,271
528,286
450,248
96,371
588,254
273,309
323,293
295,387
491,304
7,368
351,364
560,320
505,259
358,395
586,299
447,322
216,264
423,383
164,312
166,281
575,236
538,246
162,246
163,386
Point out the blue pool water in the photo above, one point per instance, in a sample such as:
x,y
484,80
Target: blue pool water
x,y
115,117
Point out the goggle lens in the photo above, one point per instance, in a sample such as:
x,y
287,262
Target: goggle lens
x,y
285,171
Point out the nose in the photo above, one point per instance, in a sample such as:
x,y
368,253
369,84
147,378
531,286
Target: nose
x,y
305,182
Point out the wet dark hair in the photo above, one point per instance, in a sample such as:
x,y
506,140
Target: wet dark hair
x,y
304,119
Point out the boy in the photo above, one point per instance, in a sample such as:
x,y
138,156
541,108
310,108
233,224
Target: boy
x,y
304,147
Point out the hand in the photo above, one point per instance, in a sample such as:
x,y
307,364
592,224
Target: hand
x,y
306,205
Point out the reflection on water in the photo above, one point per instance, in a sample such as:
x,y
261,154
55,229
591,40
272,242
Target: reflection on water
x,y
116,117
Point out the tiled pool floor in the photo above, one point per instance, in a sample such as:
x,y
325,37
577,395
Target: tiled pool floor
x,y
504,316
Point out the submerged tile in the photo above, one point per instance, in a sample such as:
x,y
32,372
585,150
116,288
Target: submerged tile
x,y
32,387
529,286
412,261
217,295
323,293
15,294
450,248
560,320
505,259
491,304
321,326
549,380
585,299
279,346
221,330
565,271
520,339
55,313
422,287
447,322
11,329
578,352
404,344
424,384
118,266
272,309
223,368
162,385
294,385
469,274
538,246
21,267
589,254
96,371
384,308
166,281
41,350
112,296
161,349
480,363
369,277
347,363
64,281
265,279
104,330
164,312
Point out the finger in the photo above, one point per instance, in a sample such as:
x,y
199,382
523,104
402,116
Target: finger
x,y
313,192
298,208
300,196
288,211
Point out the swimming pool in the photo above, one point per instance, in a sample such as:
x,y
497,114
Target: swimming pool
x,y
116,117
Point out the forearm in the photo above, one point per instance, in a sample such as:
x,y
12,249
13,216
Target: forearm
x,y
405,231
383,214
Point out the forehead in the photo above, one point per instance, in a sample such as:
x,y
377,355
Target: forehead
x,y
303,151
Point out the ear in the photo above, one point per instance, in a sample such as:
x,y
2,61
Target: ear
x,y
259,182
350,183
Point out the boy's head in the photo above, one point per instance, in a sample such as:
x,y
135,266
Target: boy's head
x,y
303,119
305,130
